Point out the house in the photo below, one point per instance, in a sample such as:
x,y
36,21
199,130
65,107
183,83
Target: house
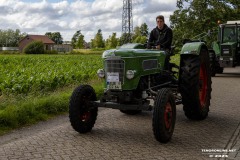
x,y
48,43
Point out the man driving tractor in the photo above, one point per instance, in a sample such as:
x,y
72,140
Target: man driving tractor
x,y
161,36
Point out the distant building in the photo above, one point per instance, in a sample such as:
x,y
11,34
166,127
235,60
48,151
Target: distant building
x,y
67,42
87,45
8,48
63,47
48,43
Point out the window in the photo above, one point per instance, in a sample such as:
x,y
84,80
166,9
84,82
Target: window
x,y
229,34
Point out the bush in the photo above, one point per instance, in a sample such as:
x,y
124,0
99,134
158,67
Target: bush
x,y
35,47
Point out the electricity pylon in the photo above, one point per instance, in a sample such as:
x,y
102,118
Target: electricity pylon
x,y
127,21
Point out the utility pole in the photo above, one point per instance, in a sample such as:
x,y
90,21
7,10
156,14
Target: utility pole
x,y
127,21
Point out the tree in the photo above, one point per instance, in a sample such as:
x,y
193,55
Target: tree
x,y
112,41
136,32
144,30
98,41
78,40
140,33
123,38
10,38
140,39
55,37
201,16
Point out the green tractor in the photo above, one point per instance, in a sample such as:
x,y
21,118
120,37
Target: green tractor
x,y
226,51
134,77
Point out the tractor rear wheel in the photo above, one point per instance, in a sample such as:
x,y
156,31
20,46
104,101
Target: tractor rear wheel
x,y
81,113
164,115
195,85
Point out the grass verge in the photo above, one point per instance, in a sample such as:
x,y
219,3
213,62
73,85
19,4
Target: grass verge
x,y
30,110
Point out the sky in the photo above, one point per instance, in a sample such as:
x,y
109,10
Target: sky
x,y
68,16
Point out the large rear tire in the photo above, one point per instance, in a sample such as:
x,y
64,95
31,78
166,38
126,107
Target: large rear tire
x,y
81,113
195,85
164,115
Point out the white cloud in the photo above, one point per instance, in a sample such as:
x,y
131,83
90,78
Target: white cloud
x,y
67,17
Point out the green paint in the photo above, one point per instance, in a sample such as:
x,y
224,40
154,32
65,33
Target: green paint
x,y
192,48
133,58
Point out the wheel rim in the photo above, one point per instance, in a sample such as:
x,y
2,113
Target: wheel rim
x,y
203,85
168,115
85,116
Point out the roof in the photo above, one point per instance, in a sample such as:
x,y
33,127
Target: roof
x,y
233,22
42,38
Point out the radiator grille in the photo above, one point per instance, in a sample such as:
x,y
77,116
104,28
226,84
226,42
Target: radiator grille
x,y
113,65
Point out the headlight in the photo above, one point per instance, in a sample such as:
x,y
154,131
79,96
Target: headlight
x,y
130,74
100,73
231,59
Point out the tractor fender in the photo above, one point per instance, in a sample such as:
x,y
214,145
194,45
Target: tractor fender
x,y
193,48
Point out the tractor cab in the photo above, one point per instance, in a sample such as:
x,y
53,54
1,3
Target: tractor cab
x,y
229,44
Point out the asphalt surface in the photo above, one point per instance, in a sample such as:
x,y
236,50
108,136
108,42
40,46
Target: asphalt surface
x,y
119,136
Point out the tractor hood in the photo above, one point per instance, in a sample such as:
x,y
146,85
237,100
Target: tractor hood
x,y
132,50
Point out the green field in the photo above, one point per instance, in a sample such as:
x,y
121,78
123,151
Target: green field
x,y
36,87
23,74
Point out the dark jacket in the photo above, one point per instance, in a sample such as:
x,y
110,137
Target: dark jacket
x,y
161,37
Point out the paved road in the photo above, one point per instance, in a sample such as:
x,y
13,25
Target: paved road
x,y
118,136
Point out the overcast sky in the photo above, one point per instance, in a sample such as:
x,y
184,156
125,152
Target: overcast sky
x,y
68,16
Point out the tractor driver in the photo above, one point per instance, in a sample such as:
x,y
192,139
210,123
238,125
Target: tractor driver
x,y
161,36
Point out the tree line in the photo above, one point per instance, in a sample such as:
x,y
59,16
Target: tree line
x,y
191,18
11,38
139,35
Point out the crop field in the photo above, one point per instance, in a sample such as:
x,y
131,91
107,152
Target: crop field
x,y
23,74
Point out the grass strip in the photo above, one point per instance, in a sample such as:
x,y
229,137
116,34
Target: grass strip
x,y
35,109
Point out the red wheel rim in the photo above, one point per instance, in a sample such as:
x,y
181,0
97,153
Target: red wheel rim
x,y
202,85
85,116
168,115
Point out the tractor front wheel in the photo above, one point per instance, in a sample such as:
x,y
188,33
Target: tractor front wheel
x,y
164,115
81,112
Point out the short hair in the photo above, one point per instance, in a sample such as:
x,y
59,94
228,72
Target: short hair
x,y
160,17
